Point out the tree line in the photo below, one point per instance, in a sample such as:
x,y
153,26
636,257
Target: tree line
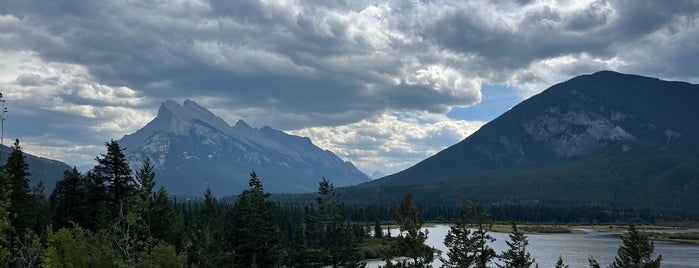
x,y
114,217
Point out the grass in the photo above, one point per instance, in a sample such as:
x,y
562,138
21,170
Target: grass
x,y
536,229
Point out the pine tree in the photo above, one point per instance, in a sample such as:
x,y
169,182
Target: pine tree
x,y
560,264
412,238
98,209
516,255
635,251
208,248
256,234
329,235
68,200
41,209
5,225
484,253
378,232
593,262
165,222
459,240
20,195
145,178
113,169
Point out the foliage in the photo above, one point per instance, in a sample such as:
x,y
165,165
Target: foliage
x,y
560,263
593,262
466,247
635,251
113,169
5,224
516,255
412,237
208,248
21,205
256,234
330,239
78,247
162,255
68,201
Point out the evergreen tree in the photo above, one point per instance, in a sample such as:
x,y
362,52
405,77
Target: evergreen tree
x,y
334,241
5,225
256,234
635,251
412,238
593,263
68,200
97,210
113,169
208,248
21,203
145,177
483,224
516,255
378,232
41,209
459,240
560,264
165,222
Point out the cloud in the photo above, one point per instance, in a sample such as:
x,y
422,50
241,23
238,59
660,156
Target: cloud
x,y
101,67
391,142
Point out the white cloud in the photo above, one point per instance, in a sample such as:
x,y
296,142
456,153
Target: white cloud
x,y
95,70
58,111
392,141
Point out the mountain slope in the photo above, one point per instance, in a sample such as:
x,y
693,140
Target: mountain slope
x,y
603,138
193,149
43,170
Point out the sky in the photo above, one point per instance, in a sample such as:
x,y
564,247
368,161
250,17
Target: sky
x,y
383,84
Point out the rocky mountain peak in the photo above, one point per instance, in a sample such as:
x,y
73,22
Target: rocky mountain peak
x,y
193,148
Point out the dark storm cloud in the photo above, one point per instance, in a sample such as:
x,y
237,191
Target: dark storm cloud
x,y
296,64
246,50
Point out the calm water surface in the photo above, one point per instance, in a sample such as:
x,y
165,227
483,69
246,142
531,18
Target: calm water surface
x,y
575,248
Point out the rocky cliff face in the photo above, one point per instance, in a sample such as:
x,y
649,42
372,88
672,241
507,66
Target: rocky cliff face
x,y
193,149
607,139
572,120
573,133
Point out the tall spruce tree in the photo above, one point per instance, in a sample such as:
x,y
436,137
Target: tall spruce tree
x,y
166,223
145,181
5,224
516,255
208,247
113,169
412,237
560,263
21,203
98,209
459,240
635,251
68,200
256,234
483,223
332,238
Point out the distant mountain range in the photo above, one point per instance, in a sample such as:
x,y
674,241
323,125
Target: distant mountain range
x,y
43,170
193,149
606,138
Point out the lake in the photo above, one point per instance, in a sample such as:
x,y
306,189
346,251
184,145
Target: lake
x,y
575,248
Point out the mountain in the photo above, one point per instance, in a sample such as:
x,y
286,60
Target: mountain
x,y
193,149
43,170
606,138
